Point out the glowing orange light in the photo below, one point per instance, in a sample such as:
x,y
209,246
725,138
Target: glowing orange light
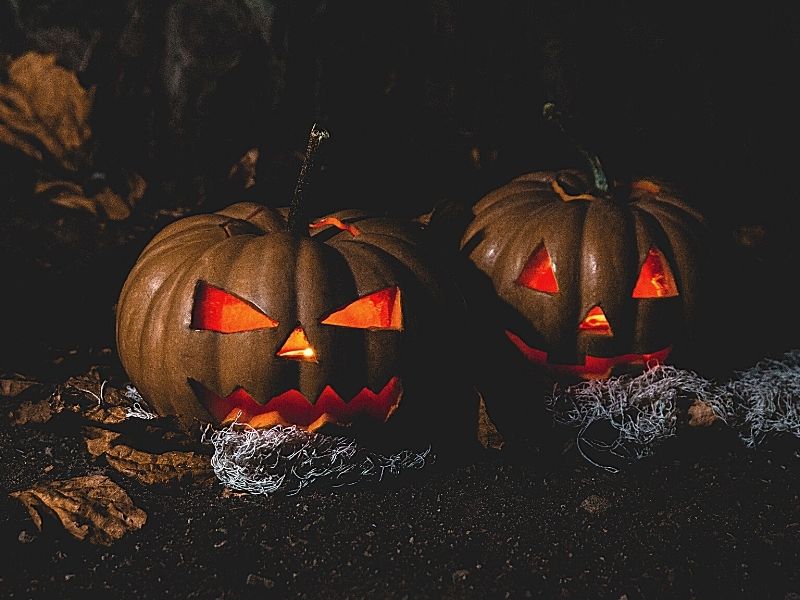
x,y
379,310
539,272
296,347
292,407
216,310
595,322
325,221
655,277
593,367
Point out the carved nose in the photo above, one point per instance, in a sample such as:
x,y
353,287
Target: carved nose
x,y
595,322
296,347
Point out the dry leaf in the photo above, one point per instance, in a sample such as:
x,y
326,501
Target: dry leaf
x,y
14,387
38,410
701,414
244,171
108,415
167,468
488,435
98,440
105,204
44,111
32,411
92,508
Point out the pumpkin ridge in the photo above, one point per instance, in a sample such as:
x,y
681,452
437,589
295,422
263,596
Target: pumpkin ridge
x,y
667,211
395,250
146,347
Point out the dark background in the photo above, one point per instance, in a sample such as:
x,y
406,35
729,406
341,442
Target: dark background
x,y
425,102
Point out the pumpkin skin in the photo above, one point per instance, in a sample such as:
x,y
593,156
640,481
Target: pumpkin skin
x,y
367,376
584,309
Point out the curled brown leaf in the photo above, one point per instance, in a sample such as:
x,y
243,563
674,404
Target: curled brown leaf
x,y
44,111
166,468
244,171
106,204
39,409
91,508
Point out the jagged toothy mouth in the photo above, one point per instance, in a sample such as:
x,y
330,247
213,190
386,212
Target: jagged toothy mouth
x,y
293,408
593,367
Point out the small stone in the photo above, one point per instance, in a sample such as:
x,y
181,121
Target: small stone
x,y
258,580
25,538
701,414
595,504
460,576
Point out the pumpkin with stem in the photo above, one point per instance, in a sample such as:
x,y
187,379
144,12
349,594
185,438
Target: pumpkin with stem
x,y
573,277
596,277
252,314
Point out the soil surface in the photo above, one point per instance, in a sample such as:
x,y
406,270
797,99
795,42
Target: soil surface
x,y
715,522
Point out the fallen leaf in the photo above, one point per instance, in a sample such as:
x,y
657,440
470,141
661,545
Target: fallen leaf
x,y
244,171
44,111
91,507
38,410
14,387
98,440
106,203
166,468
108,415
488,435
169,468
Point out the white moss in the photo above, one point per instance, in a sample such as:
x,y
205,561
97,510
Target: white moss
x,y
643,410
289,459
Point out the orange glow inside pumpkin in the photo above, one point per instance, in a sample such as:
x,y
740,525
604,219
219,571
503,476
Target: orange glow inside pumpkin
x,y
655,277
325,221
378,310
595,322
215,309
292,407
539,272
593,367
297,347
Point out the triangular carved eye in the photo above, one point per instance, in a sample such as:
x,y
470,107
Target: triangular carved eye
x,y
655,277
215,309
539,272
378,310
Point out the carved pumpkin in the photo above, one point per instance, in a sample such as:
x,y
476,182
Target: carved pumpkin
x,y
240,315
592,281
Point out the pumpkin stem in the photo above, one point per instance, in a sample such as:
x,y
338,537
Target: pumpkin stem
x,y
297,221
551,113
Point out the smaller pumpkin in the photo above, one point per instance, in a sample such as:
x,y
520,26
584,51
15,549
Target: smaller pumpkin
x,y
593,280
579,279
594,276
253,314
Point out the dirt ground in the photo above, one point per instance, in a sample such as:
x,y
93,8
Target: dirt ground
x,y
707,520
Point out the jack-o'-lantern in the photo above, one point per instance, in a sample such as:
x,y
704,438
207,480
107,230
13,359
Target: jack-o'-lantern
x,y
251,314
594,278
